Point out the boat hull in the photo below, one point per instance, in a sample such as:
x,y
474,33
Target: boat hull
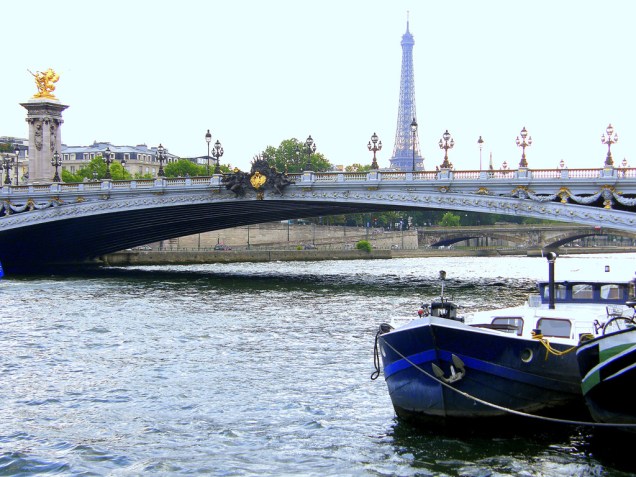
x,y
608,373
510,373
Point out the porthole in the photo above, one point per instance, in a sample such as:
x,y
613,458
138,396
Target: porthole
x,y
526,355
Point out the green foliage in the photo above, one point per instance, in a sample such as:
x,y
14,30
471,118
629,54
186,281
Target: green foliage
x,y
363,245
96,169
184,168
358,168
292,153
6,147
450,220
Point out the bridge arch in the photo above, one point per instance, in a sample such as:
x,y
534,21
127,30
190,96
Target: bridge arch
x,y
66,222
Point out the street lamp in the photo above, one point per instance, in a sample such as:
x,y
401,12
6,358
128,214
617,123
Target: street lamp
x,y
414,131
123,168
17,164
524,142
480,141
446,143
311,147
161,156
208,139
107,160
217,153
7,170
56,162
377,146
609,140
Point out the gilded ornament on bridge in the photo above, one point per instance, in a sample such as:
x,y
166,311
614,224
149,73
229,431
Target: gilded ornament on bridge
x,y
262,177
44,82
258,180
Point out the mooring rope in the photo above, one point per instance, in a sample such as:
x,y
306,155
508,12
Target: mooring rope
x,y
505,409
548,346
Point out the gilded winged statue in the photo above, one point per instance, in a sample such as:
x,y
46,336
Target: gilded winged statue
x,y
44,82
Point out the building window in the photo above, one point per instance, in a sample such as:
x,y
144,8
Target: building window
x,y
126,156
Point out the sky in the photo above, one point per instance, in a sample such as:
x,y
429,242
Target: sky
x,y
257,72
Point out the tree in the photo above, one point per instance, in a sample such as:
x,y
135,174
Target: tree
x,y
450,220
358,168
291,154
183,168
96,170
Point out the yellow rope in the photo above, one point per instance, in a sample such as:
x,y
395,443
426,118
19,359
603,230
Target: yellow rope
x,y
548,347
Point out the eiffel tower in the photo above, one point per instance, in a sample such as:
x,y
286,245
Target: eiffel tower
x,y
407,144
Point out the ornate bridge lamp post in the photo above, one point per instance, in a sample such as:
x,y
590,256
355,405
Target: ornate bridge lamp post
x,y
123,168
609,140
217,153
7,170
108,161
311,147
524,142
480,141
377,146
446,143
56,162
161,156
414,131
208,139
17,164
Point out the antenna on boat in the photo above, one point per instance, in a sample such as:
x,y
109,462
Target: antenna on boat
x,y
551,256
442,277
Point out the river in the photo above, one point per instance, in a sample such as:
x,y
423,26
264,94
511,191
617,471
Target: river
x,y
253,369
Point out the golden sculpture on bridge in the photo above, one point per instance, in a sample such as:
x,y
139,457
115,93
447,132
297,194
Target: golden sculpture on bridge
x,y
44,82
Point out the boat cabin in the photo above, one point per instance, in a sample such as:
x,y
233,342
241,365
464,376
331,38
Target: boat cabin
x,y
610,295
587,292
445,309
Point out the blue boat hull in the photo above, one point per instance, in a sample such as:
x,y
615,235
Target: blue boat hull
x,y
504,370
608,374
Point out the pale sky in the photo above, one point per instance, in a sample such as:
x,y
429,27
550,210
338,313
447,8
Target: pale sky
x,y
258,72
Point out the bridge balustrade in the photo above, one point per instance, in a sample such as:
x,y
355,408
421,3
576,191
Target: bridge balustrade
x,y
355,176
335,177
392,176
466,175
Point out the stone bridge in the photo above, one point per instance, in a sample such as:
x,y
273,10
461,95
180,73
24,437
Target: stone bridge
x,y
59,222
529,236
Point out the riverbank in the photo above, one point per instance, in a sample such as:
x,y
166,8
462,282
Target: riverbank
x,y
186,257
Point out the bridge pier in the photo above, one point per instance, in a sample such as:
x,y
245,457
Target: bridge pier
x,y
45,122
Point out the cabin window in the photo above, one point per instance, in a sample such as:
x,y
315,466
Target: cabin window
x,y
582,292
559,291
509,321
555,327
611,292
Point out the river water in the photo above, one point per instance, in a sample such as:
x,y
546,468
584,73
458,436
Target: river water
x,y
253,369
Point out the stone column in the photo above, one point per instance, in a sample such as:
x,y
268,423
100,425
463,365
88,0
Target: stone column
x,y
44,116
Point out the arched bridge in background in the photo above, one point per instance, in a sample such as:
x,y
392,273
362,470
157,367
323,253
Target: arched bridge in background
x,y
528,236
61,223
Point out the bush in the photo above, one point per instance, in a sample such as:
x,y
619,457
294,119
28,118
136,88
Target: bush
x,y
364,245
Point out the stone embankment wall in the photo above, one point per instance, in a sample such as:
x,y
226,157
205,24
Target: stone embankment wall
x,y
282,236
